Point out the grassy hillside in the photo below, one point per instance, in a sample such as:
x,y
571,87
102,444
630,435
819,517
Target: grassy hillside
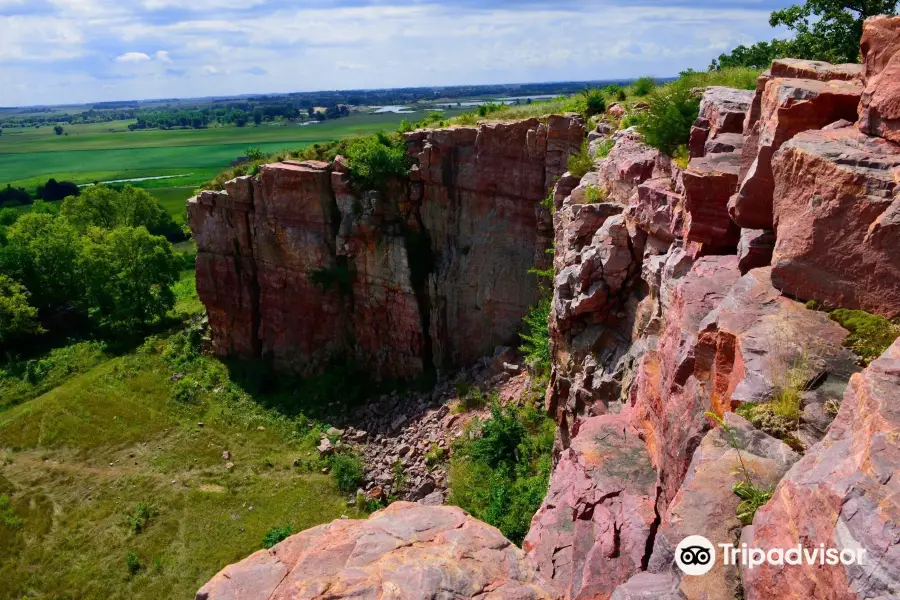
x,y
108,457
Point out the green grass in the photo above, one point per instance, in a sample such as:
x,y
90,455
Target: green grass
x,y
90,153
78,462
174,200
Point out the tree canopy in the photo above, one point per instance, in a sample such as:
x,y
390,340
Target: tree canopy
x,y
827,30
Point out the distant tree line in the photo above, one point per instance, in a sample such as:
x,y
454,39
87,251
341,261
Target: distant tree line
x,y
51,191
232,114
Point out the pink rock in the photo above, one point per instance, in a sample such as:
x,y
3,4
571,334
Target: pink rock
x,y
406,550
818,70
788,107
708,184
879,108
755,249
657,209
591,533
629,164
838,220
843,494
722,111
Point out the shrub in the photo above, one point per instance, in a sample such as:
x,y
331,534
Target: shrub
x,y
491,107
139,519
870,335
348,471
254,153
682,157
667,123
435,455
500,472
8,517
536,337
474,399
604,148
581,162
132,563
595,103
643,86
594,195
374,160
276,535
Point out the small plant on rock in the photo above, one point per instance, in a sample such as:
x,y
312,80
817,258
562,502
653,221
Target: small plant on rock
x,y
276,535
435,455
682,157
594,195
581,162
604,148
870,335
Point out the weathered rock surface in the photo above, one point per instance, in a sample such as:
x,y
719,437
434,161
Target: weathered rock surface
x,y
297,267
649,586
843,494
837,212
755,249
722,111
658,209
592,531
709,182
787,107
879,108
706,505
818,70
404,551
630,163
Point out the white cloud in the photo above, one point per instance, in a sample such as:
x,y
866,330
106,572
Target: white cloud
x,y
132,57
163,56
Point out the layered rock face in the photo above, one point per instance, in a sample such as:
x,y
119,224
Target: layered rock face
x,y
405,551
879,108
297,267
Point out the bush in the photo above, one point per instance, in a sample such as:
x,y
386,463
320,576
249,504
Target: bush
x,y
8,517
374,160
276,535
536,337
254,153
18,319
604,148
682,157
595,103
132,563
499,473
594,195
139,519
56,190
870,335
581,162
667,123
348,471
643,86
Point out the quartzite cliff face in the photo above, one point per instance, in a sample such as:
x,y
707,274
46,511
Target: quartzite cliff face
x,y
297,267
683,294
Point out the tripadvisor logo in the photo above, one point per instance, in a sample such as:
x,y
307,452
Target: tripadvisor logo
x,y
696,555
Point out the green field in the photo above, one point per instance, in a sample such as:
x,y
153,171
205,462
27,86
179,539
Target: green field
x,y
108,151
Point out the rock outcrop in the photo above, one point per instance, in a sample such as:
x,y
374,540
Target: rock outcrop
x,y
837,214
404,551
844,494
879,108
297,267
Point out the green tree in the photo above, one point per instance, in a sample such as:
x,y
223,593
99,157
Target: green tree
x,y
129,276
827,30
18,319
42,253
58,129
594,101
643,86
107,208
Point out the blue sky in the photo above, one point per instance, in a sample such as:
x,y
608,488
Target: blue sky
x,y
73,51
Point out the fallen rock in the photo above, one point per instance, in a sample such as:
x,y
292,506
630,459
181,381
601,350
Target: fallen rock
x,y
325,447
837,214
879,108
843,494
404,551
788,107
706,504
591,532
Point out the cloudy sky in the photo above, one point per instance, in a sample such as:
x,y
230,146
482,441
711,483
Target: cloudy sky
x,y
68,51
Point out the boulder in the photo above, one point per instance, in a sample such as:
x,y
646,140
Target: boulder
x,y
755,249
591,532
708,184
657,209
837,215
843,494
879,108
649,586
798,68
722,111
630,163
706,504
787,107
404,551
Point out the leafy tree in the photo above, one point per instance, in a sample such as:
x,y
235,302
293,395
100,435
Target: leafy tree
x,y
827,30
58,129
594,101
643,86
14,196
108,208
54,190
42,253
8,216
18,319
129,276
